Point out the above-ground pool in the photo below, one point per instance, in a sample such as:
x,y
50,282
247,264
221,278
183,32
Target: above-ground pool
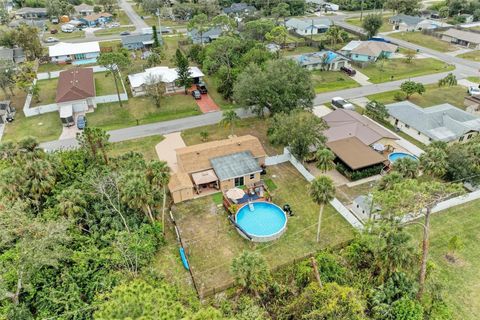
x,y
392,157
262,221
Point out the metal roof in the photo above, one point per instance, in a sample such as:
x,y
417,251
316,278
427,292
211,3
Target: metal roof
x,y
235,165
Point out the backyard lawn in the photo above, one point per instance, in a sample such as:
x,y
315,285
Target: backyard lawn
x,y
460,279
425,41
433,95
324,81
472,55
122,18
141,110
47,92
254,126
44,127
299,50
112,31
105,85
212,242
145,146
383,71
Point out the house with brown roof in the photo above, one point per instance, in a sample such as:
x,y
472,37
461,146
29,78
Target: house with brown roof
x,y
75,93
217,165
357,141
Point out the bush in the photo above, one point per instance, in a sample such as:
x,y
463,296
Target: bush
x,y
358,174
400,96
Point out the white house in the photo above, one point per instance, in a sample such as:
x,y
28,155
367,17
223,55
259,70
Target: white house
x,y
443,122
164,74
75,93
76,53
306,27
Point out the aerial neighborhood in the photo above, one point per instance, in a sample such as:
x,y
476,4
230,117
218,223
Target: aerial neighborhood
x,y
240,159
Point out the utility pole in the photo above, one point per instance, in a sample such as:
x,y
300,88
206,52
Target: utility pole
x,y
361,10
159,25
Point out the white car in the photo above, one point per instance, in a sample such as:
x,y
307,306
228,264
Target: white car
x,y
340,103
51,40
115,24
473,91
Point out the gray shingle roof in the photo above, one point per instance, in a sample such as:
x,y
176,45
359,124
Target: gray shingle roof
x,y
408,20
304,24
235,165
443,122
463,35
137,38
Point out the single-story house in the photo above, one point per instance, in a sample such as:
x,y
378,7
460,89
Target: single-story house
x,y
463,38
15,55
40,24
239,9
405,22
368,51
139,41
217,165
206,37
322,4
75,93
306,27
352,138
31,13
84,9
96,19
322,60
76,53
443,122
167,75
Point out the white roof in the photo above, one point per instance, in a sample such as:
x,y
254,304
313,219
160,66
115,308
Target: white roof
x,y
166,75
66,111
62,48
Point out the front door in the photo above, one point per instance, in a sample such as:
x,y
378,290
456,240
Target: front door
x,y
239,182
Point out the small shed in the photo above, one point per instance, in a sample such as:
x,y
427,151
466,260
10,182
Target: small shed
x,y
181,187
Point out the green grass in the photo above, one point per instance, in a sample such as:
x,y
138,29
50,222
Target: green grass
x,y
105,85
62,35
459,279
145,146
425,41
384,28
270,185
474,79
111,116
48,92
433,95
324,81
217,198
212,242
383,71
254,126
115,31
299,50
122,18
49,67
473,55
44,127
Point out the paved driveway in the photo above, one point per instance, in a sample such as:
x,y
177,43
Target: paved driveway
x,y
206,104
166,149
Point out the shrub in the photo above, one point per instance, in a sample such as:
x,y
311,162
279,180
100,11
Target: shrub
x,y
358,174
400,96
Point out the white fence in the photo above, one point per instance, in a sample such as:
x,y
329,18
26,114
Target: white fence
x,y
110,98
347,214
56,74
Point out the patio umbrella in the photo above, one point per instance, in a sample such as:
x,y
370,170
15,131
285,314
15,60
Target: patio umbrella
x,y
378,147
235,193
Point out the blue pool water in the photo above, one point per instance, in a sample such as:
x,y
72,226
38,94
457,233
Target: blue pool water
x,y
266,220
84,61
398,155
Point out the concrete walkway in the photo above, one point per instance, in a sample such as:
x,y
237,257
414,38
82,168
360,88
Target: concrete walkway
x,y
361,79
321,110
460,51
166,149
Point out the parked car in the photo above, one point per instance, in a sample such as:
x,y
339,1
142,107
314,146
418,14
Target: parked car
x,y
340,103
51,40
53,31
115,24
473,91
124,33
351,72
196,94
81,122
202,87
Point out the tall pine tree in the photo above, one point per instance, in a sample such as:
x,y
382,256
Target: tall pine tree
x,y
183,70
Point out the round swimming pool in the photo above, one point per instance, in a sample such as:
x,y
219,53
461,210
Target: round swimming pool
x,y
262,221
392,157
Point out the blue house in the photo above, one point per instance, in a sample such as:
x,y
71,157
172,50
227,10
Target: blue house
x,y
368,51
322,60
96,19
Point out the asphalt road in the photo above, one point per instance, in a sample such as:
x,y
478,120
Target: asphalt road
x,y
134,17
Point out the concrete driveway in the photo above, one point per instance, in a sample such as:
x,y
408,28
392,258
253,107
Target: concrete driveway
x,y
166,149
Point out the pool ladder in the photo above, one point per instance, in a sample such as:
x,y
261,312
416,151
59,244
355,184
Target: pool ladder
x,y
250,206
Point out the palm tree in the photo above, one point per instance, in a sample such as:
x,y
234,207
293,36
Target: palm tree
x,y
158,174
325,159
229,119
434,162
407,167
334,35
322,191
250,271
136,193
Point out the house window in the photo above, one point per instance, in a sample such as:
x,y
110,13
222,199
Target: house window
x,y
239,182
469,136
461,138
252,176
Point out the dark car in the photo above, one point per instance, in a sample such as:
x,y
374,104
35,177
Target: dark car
x,y
53,31
351,72
125,33
81,122
196,94
201,86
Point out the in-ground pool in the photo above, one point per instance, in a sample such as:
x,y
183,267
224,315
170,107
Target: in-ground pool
x,y
84,61
262,221
392,157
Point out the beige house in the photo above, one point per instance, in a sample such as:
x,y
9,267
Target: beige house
x,y
217,165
